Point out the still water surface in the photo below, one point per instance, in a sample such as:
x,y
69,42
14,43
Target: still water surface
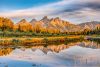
x,y
73,54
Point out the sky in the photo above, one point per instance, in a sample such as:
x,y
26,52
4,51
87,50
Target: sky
x,y
75,11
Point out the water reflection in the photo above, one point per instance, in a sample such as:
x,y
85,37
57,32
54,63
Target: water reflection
x,y
90,44
70,54
53,47
5,51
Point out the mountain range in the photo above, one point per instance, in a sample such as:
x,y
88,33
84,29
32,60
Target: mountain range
x,y
52,25
57,24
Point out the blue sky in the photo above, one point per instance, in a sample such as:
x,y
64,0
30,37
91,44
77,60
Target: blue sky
x,y
22,4
75,11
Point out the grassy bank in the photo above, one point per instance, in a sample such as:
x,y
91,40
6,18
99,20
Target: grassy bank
x,y
41,40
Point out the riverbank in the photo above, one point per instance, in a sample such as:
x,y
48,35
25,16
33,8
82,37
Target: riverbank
x,y
31,41
37,41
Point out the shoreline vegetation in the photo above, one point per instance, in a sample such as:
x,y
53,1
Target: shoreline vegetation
x,y
45,41
39,41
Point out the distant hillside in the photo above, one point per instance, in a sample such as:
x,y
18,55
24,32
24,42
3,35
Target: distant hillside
x,y
23,25
89,25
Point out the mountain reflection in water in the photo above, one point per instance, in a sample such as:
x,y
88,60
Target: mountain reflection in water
x,y
53,47
90,44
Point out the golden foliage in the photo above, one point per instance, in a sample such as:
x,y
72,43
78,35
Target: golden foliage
x,y
5,23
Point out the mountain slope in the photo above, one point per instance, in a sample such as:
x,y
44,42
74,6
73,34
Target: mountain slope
x,y
55,24
89,25
23,25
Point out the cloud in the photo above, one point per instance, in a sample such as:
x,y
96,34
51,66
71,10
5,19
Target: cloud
x,y
36,11
82,11
82,15
73,10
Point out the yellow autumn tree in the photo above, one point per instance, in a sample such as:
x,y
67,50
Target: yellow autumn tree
x,y
6,24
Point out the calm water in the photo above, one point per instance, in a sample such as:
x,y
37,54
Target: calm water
x,y
75,54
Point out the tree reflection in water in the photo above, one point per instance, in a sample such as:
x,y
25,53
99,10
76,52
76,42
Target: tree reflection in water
x,y
55,47
5,51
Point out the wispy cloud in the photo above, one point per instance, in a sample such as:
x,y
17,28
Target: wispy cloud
x,y
48,9
73,10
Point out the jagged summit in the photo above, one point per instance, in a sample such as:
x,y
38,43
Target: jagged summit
x,y
33,20
23,21
45,19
